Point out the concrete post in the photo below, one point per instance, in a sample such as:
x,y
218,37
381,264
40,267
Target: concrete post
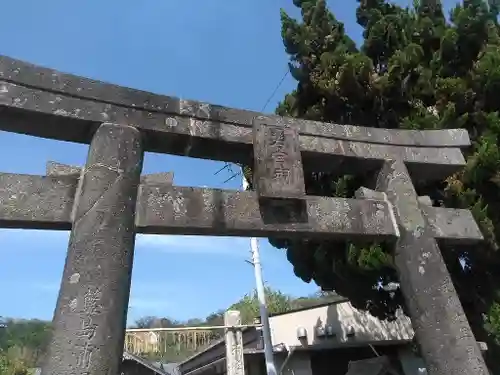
x,y
234,344
441,327
90,316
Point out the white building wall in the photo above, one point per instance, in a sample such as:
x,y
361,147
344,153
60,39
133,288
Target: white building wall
x,y
340,316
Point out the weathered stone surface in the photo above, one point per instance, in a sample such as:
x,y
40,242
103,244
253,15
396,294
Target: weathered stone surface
x,y
57,169
90,317
166,178
38,202
23,73
426,163
451,225
366,193
185,210
443,333
278,169
35,202
51,115
233,338
425,200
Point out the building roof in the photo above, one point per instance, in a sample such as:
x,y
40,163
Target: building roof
x,y
208,356
216,351
326,301
371,366
171,368
157,367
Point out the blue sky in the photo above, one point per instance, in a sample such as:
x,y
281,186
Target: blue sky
x,y
225,52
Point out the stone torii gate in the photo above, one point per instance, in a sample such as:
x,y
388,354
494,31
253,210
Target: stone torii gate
x,y
107,202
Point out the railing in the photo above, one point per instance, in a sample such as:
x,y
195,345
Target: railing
x,y
176,342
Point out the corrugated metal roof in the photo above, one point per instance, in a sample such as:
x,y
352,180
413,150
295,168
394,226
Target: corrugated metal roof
x,y
160,370
371,366
171,368
326,301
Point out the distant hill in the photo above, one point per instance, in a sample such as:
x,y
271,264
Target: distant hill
x,y
25,341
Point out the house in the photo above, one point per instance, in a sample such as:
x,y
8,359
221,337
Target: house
x,y
326,339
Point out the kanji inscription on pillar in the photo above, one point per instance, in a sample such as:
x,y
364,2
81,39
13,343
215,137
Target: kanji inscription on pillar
x,y
84,344
107,202
234,343
278,169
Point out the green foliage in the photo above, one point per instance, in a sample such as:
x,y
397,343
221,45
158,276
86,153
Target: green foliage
x,y
493,322
248,305
414,70
10,366
276,302
25,340
176,352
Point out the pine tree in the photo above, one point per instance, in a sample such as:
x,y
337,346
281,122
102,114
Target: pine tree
x,y
414,70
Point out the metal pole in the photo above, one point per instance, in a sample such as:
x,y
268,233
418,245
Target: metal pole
x,y
261,295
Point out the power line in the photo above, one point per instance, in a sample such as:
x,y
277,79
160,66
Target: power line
x,y
227,166
275,89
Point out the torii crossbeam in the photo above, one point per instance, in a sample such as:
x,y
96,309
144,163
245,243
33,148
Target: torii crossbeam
x,y
107,202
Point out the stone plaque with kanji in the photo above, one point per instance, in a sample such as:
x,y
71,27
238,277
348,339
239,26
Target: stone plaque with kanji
x,y
278,169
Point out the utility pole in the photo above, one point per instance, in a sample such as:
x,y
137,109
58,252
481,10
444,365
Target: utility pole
x,y
261,295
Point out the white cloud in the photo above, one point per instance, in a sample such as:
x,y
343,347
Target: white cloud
x,y
232,246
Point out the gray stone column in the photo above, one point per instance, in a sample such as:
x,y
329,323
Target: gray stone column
x,y
90,316
441,327
235,363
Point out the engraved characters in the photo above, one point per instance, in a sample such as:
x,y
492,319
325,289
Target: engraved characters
x,y
278,153
87,330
